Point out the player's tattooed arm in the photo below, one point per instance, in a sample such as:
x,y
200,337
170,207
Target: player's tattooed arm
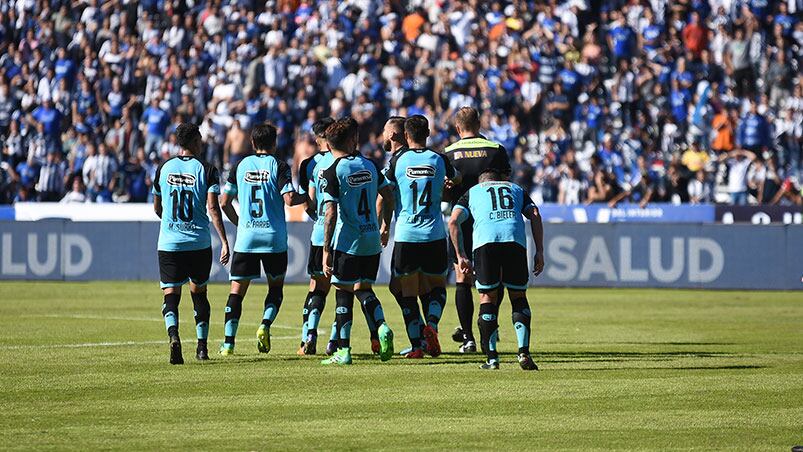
x,y
329,222
537,231
217,222
228,208
456,234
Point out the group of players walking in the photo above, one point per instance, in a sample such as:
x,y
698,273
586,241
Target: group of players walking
x,y
353,203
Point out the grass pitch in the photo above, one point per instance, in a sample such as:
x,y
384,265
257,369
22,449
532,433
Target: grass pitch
x,y
84,366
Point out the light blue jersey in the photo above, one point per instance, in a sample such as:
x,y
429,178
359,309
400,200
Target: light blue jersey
x,y
353,183
417,176
259,181
315,169
183,183
497,209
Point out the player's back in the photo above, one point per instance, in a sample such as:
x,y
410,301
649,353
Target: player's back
x,y
318,166
472,156
354,182
418,176
261,180
183,183
497,207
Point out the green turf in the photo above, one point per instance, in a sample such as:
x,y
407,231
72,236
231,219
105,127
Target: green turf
x,y
621,369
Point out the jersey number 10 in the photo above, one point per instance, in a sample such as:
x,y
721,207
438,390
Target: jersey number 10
x,y
182,205
505,195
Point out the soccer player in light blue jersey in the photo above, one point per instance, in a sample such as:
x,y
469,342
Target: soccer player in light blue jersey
x,y
309,173
352,246
263,185
418,176
182,190
500,256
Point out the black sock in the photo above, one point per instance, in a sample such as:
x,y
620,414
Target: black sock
x,y
521,322
370,319
412,320
372,306
273,301
304,318
234,309
317,303
170,313
436,302
343,316
465,309
489,329
200,304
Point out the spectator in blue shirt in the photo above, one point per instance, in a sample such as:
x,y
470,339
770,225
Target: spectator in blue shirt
x,y
620,38
754,131
155,122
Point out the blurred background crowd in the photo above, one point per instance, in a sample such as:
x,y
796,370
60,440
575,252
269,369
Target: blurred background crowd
x,y
683,101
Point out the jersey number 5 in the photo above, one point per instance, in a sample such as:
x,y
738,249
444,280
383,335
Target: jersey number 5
x,y
256,204
505,195
182,205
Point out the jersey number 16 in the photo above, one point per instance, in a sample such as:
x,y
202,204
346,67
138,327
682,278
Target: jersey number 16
x,y
505,195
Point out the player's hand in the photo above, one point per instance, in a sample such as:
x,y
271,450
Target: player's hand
x,y
327,269
448,184
224,254
538,264
384,236
465,265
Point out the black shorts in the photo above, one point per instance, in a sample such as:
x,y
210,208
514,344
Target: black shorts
x,y
468,243
176,268
425,257
504,263
247,265
351,269
315,261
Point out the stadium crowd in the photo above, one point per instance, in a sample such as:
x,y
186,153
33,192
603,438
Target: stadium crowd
x,y
687,101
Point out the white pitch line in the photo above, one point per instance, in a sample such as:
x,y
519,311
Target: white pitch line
x,y
105,344
126,319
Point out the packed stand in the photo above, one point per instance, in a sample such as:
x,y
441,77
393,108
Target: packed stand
x,y
644,101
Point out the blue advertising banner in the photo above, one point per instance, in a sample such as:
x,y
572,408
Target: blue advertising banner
x,y
577,255
628,213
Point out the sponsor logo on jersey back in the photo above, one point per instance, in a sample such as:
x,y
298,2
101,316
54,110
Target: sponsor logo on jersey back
x,y
359,178
257,176
421,171
181,179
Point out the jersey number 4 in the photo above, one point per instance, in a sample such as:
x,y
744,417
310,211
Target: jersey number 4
x,y
505,195
182,205
363,208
